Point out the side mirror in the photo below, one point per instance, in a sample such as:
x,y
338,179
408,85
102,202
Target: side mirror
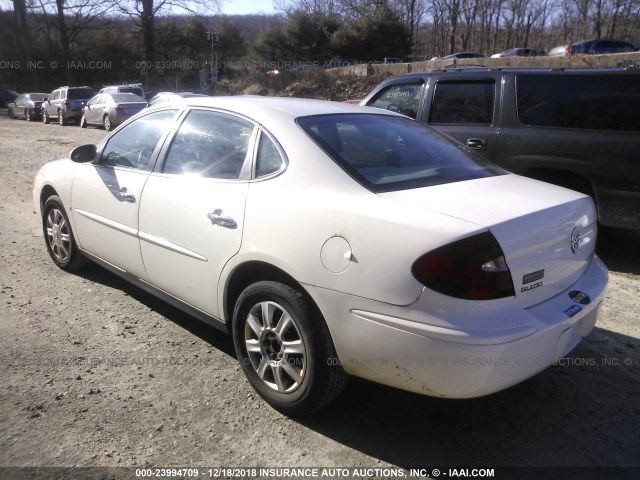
x,y
83,153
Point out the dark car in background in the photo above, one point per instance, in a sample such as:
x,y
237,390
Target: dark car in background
x,y
7,96
111,109
464,55
579,129
27,106
598,46
65,104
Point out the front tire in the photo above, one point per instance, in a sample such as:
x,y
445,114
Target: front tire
x,y
45,118
83,122
59,237
285,348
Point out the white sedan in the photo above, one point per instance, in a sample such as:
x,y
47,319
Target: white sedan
x,y
333,240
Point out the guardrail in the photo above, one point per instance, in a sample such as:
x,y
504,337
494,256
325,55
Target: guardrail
x,y
614,60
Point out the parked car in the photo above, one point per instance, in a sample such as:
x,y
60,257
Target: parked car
x,y
7,96
576,128
464,55
559,51
135,88
332,239
111,109
520,52
164,97
65,104
28,106
601,46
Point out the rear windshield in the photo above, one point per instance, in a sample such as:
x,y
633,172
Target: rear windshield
x,y
127,97
80,93
135,90
386,153
589,102
38,97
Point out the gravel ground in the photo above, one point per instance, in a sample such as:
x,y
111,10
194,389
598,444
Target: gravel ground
x,y
97,373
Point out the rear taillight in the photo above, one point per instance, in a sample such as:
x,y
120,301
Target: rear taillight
x,y
66,104
473,268
120,108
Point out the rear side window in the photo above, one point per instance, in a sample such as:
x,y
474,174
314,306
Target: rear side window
x,y
588,102
268,160
463,102
209,144
402,98
387,153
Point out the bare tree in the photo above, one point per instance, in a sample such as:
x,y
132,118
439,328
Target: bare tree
x,y
144,14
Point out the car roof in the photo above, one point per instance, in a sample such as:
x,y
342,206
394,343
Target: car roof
x,y
258,107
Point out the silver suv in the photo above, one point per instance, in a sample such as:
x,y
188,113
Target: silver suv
x,y
65,104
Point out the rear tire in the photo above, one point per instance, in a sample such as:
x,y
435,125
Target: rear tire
x,y
106,122
61,243
285,348
27,115
61,119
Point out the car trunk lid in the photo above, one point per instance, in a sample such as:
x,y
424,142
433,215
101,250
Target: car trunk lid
x,y
547,233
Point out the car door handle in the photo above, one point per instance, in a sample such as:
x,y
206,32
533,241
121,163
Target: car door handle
x,y
217,218
477,143
127,197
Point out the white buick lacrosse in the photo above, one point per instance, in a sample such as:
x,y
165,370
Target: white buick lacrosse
x,y
333,240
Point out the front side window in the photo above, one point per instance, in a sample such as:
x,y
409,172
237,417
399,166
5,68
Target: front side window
x,y
133,145
402,98
463,102
588,102
386,153
209,144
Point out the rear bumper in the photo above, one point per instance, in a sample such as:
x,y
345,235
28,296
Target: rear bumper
x,y
419,347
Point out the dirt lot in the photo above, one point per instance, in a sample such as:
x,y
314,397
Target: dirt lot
x,y
97,373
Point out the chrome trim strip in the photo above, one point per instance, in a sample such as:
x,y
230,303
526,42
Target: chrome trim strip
x,y
109,223
161,242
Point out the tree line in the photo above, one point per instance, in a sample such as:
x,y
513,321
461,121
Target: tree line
x,y
48,42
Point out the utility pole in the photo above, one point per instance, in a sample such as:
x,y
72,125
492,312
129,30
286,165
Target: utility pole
x,y
213,36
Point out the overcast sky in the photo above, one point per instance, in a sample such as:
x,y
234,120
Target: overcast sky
x,y
240,7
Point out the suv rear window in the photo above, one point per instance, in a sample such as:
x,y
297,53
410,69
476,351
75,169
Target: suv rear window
x,y
387,153
588,102
80,93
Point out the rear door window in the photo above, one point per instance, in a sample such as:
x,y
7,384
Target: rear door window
x,y
588,102
463,102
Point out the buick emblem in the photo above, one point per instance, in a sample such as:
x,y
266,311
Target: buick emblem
x,y
574,242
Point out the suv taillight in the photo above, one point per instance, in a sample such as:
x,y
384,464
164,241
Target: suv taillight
x,y
66,104
473,268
